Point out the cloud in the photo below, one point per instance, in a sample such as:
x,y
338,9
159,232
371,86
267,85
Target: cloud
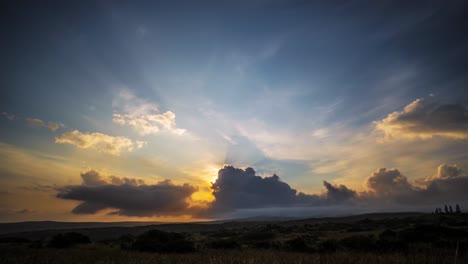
x,y
39,123
385,182
238,188
102,142
237,191
446,171
241,189
128,196
8,116
142,116
92,178
390,186
424,120
338,193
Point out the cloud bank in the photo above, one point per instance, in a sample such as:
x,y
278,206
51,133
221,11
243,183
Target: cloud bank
x,y
101,142
422,119
128,196
238,189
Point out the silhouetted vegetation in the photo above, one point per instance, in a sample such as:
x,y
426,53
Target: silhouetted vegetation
x,y
163,242
448,210
68,239
422,238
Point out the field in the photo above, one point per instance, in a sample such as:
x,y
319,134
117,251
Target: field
x,y
93,254
375,238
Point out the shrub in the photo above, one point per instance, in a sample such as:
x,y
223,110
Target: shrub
x,y
224,244
361,243
259,235
68,239
125,241
297,244
163,242
328,245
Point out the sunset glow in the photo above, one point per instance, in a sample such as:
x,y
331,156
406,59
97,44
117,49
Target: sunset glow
x,y
156,111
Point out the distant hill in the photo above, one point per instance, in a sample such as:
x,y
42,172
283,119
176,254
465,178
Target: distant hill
x,y
18,227
103,230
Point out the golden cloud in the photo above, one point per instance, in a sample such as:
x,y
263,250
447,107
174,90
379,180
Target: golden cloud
x,y
36,122
102,142
422,119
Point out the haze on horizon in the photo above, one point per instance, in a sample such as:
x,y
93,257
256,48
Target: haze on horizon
x,y
184,111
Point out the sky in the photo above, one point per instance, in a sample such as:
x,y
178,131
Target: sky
x,y
200,110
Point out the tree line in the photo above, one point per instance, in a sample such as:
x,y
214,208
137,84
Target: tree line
x,y
448,210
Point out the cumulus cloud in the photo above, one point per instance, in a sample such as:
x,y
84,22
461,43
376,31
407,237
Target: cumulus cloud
x,y
128,196
142,116
390,186
338,193
446,171
423,119
241,189
385,182
102,142
36,122
238,188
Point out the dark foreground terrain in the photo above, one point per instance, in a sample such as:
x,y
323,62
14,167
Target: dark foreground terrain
x,y
373,238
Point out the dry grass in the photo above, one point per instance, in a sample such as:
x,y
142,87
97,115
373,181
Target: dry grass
x,y
104,255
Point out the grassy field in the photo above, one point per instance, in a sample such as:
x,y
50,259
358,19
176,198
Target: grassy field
x,y
420,238
106,255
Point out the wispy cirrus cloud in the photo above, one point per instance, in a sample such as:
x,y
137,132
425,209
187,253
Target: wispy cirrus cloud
x,y
113,145
143,116
36,122
8,116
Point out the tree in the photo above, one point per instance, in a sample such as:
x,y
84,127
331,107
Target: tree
x,y
451,210
446,209
457,209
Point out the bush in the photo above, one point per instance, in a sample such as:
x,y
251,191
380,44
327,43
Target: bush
x,y
361,243
68,239
329,245
259,235
389,241
125,241
297,244
163,242
224,244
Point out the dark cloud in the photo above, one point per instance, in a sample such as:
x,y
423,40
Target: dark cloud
x,y
450,184
390,186
238,188
385,182
424,119
92,178
130,197
240,192
338,193
445,171
241,189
